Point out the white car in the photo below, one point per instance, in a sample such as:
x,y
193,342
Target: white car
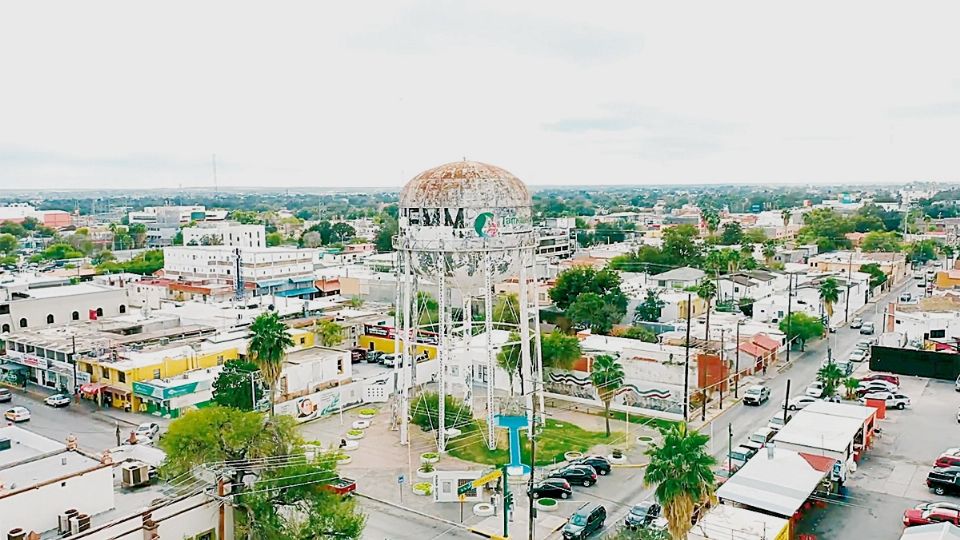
x,y
877,385
147,430
799,402
777,422
17,414
859,355
756,395
815,389
389,360
892,400
58,400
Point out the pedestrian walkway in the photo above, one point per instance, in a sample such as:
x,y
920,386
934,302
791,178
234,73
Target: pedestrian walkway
x,y
110,415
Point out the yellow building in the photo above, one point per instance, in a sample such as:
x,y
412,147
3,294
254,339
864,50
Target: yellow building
x,y
386,345
948,279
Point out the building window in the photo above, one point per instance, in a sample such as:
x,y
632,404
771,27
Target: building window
x,y
121,376
99,312
23,322
938,334
220,360
4,309
50,318
156,374
105,373
303,341
6,328
75,315
209,535
123,308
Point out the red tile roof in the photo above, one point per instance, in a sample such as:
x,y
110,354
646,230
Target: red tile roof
x,y
765,341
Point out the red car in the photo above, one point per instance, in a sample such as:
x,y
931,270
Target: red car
x,y
914,516
949,458
892,379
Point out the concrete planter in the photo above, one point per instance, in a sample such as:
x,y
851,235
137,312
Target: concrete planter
x,y
344,459
572,455
361,424
422,488
355,434
424,475
644,440
350,446
429,457
483,509
617,460
546,504
367,414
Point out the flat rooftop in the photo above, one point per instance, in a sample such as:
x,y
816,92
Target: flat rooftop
x,y
820,431
779,484
67,290
23,474
26,445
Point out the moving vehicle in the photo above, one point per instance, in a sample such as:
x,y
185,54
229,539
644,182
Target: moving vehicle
x,y
760,438
5,395
147,430
583,475
756,395
893,401
912,516
943,480
949,458
857,322
799,402
777,422
17,414
555,488
867,329
58,400
341,486
892,379
642,514
585,521
599,464
815,389
740,455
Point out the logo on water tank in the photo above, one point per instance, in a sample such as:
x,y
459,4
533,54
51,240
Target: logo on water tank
x,y
485,225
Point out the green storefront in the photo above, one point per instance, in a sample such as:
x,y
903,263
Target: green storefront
x,y
171,399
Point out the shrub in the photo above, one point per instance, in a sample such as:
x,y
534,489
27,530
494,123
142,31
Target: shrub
x,y
368,412
355,432
429,455
425,487
427,467
424,412
547,501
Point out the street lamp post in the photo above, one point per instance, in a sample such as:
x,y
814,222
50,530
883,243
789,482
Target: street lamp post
x,y
686,364
736,368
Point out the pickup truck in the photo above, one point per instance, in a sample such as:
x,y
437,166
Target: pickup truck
x,y
342,486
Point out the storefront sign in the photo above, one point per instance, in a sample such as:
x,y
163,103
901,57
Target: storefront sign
x,y
380,331
163,393
31,360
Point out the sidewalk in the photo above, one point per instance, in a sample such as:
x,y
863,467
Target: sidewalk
x,y
109,415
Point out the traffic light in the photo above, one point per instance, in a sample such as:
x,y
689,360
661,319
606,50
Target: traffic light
x,y
508,501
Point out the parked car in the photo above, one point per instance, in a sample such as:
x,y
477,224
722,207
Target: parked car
x,y
913,516
905,297
599,464
5,395
857,322
918,275
892,379
870,387
956,385
57,400
555,488
892,400
147,430
760,438
859,355
583,475
585,521
341,486
17,414
815,389
388,360
357,355
865,343
949,458
867,329
642,514
740,455
777,422
374,357
943,480
799,402
937,504
756,395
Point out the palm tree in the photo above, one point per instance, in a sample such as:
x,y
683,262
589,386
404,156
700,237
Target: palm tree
x,y
707,290
851,384
680,467
785,215
769,250
268,348
830,375
329,332
606,374
829,294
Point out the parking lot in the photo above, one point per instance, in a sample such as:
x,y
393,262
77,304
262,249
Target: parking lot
x,y
892,475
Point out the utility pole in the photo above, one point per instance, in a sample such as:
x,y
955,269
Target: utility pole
x,y
729,447
686,364
846,315
723,366
789,313
786,403
533,461
736,368
73,357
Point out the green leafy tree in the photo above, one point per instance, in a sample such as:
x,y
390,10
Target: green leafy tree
x,y
826,228
830,375
922,251
732,233
341,232
651,308
274,239
881,241
643,533
15,229
755,236
144,263
877,276
707,290
268,349
388,229
606,374
237,386
639,332
328,332
583,279
680,468
711,219
746,305
178,238
506,311
829,295
592,311
802,328
559,350
8,243
680,246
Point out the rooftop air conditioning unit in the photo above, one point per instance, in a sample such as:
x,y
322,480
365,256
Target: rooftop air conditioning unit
x,y
79,523
64,527
16,534
4,443
134,473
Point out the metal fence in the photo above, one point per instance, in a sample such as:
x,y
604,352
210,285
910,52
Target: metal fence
x,y
931,364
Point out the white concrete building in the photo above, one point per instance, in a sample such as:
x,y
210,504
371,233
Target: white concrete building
x,y
931,319
182,214
679,278
24,305
273,270
226,234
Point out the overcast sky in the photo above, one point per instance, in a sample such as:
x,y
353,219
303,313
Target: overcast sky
x,y
133,94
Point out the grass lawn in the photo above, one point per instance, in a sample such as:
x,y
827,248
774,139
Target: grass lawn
x,y
555,439
656,423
